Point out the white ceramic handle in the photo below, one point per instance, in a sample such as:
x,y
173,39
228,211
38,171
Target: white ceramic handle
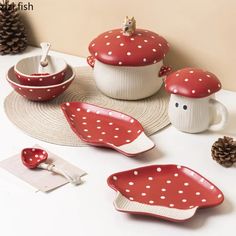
x,y
51,167
45,50
72,180
220,108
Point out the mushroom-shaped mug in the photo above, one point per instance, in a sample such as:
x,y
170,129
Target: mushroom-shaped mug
x,y
192,106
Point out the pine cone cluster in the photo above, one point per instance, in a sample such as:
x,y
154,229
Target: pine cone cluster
x,y
13,38
224,151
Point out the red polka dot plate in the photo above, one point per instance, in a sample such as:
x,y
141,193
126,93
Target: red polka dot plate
x,y
170,192
108,128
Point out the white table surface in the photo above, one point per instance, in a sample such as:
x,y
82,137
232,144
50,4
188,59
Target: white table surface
x,y
88,209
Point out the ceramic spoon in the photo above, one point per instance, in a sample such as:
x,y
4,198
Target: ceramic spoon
x,y
44,62
34,158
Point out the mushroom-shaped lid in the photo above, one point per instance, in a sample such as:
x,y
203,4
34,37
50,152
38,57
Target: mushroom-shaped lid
x,y
142,48
192,82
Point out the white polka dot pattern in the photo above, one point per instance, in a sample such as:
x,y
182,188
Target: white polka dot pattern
x,y
32,157
158,185
95,124
152,48
41,79
193,83
41,92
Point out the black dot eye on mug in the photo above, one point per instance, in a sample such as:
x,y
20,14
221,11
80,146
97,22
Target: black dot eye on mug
x,y
185,107
176,104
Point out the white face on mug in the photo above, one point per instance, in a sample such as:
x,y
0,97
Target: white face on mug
x,y
194,115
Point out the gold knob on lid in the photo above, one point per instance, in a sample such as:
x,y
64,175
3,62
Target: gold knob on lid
x,y
129,26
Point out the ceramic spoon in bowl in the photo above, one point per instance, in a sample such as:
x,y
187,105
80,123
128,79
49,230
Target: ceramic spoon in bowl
x,y
44,62
34,158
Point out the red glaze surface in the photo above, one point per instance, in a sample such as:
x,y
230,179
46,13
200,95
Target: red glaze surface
x,y
171,186
32,157
165,70
40,74
142,48
101,127
41,79
91,61
192,82
40,93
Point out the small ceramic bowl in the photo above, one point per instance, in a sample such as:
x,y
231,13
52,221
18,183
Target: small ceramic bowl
x,y
40,93
27,69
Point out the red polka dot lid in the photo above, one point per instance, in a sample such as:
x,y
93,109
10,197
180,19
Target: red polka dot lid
x,y
192,82
141,48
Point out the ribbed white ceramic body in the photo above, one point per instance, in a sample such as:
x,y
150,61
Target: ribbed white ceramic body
x,y
198,116
128,83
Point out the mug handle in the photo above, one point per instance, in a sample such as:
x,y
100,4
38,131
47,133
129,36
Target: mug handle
x,y
91,61
220,108
164,71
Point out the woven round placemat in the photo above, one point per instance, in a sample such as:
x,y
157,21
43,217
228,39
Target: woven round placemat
x,y
46,122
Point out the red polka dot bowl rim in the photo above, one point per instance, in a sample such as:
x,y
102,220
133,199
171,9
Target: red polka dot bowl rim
x,y
40,93
170,192
27,68
103,127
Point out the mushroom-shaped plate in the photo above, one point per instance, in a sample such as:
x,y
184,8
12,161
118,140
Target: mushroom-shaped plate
x,y
108,128
170,192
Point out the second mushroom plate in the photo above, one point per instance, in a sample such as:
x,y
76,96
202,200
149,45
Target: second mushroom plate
x,y
170,192
108,128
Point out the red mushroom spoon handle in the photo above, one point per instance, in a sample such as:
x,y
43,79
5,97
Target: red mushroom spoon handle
x,y
91,61
165,70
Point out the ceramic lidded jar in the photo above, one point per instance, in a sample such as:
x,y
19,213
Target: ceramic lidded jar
x,y
192,106
128,62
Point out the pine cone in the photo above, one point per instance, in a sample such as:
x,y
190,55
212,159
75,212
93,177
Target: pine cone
x,y
224,151
13,38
